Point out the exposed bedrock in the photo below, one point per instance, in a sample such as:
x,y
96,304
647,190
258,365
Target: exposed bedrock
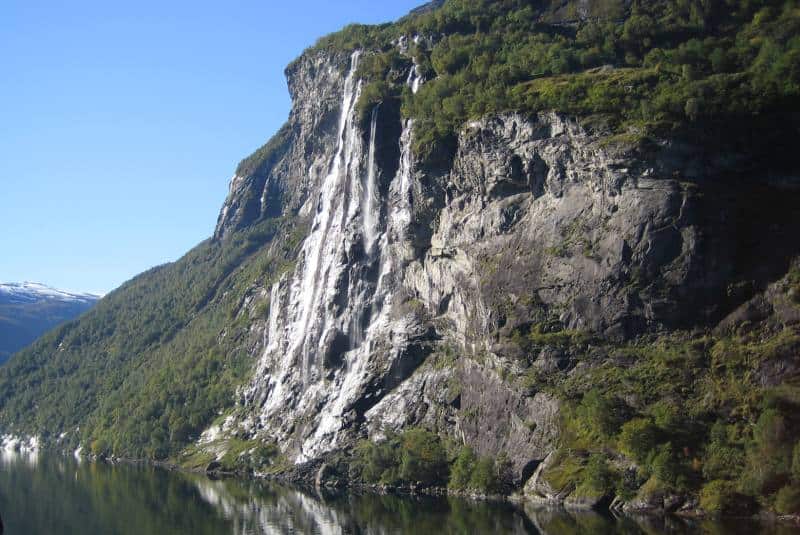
x,y
540,223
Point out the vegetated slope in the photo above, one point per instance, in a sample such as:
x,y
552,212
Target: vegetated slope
x,y
156,359
647,67
29,310
545,246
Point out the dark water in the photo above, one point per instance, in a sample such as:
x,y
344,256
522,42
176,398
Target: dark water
x,y
59,496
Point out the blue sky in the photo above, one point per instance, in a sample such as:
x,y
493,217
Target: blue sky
x,y
122,123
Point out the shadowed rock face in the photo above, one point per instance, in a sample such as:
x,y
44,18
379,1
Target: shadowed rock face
x,y
538,221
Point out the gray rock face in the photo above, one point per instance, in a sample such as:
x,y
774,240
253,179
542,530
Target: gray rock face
x,y
540,222
288,169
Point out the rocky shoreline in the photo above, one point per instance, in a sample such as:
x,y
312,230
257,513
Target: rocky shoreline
x,y
311,478
317,478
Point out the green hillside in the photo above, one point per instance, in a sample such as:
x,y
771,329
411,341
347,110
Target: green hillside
x,y
645,67
147,369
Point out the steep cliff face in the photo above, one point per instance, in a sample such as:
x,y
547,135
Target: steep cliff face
x,y
336,337
282,175
541,224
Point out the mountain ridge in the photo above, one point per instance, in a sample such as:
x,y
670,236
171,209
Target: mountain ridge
x,y
29,309
31,291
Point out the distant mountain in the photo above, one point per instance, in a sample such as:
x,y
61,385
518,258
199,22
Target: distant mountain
x,y
29,309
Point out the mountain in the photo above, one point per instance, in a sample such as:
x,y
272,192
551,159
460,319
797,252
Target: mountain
x,y
28,310
547,248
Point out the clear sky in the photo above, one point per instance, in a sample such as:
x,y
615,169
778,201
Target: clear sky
x,y
122,122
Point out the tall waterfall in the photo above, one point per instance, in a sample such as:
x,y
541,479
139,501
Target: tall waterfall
x,y
371,207
319,251
331,334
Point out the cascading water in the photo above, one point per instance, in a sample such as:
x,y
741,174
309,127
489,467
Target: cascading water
x,y
328,318
414,79
371,207
318,252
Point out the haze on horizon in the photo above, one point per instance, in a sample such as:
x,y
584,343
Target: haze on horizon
x,y
124,123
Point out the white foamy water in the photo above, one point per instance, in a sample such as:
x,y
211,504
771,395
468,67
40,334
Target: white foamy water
x,y
329,317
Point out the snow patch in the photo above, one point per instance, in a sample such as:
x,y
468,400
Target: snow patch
x,y
32,292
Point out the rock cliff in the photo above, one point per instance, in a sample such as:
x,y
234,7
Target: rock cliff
x,y
412,283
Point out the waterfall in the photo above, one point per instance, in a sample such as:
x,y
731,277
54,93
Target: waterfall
x,y
371,208
317,254
329,317
414,79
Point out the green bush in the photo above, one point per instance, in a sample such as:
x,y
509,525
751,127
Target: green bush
x,y
597,476
769,454
597,416
664,464
248,455
667,417
637,438
796,462
787,500
461,471
423,458
717,497
722,462
565,470
722,459
769,434
415,456
484,476
379,461
372,95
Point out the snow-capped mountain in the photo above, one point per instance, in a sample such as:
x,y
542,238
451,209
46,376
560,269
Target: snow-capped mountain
x,y
29,309
32,292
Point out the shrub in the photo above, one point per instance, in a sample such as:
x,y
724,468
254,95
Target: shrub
x,y
717,497
484,476
378,461
769,434
722,461
796,462
769,455
787,500
372,95
664,465
598,414
565,470
637,438
597,476
462,468
423,458
667,417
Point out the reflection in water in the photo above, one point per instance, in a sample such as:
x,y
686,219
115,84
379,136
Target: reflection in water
x,y
62,496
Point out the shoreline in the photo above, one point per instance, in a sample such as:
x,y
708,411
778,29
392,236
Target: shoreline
x,y
515,498
14,444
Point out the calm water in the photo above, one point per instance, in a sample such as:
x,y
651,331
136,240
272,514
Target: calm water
x,y
59,496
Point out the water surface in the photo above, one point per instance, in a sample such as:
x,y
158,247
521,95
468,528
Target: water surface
x,y
47,496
